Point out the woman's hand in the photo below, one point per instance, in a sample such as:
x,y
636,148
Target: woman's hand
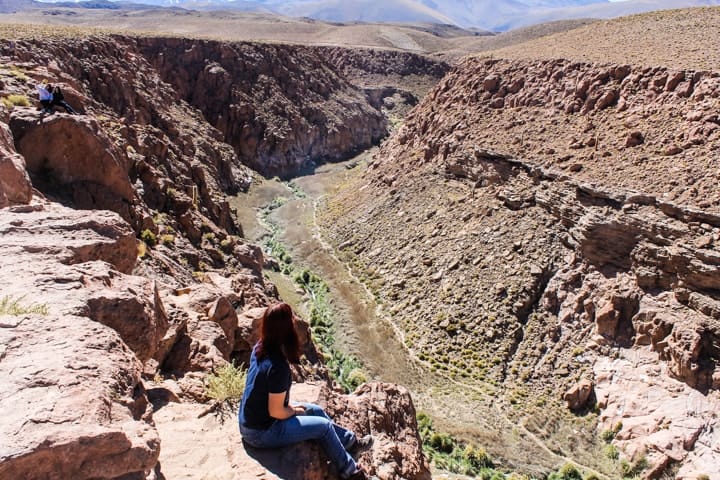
x,y
278,409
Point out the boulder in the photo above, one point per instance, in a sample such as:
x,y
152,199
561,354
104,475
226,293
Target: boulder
x,y
73,156
578,396
384,410
73,403
71,392
15,186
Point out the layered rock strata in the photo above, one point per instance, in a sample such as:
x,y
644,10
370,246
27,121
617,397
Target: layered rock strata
x,y
533,220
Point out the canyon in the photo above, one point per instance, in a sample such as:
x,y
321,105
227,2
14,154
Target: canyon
x,y
540,234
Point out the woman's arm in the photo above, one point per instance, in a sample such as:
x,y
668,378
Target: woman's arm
x,y
278,409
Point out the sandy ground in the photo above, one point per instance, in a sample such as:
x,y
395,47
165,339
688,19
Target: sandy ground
x,y
205,448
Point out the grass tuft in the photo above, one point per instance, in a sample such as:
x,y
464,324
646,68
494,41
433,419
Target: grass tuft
x,y
227,383
12,101
12,306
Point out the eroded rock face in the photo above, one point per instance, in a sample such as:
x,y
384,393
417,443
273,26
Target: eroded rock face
x,y
15,186
78,410
74,153
660,417
75,405
279,106
519,238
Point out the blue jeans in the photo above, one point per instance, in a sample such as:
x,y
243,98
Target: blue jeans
x,y
314,425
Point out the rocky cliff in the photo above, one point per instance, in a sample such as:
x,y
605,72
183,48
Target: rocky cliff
x,y
126,277
551,226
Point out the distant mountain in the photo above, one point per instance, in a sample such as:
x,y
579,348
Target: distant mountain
x,y
408,11
494,15
602,10
11,6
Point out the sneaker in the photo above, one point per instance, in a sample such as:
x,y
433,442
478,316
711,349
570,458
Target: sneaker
x,y
358,474
361,444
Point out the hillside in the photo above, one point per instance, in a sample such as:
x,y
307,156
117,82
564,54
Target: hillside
x,y
679,39
494,16
546,230
245,26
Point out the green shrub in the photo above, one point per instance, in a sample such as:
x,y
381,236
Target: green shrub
x,y
148,237
477,457
167,239
442,442
611,452
15,101
356,377
227,244
566,472
633,469
607,436
227,383
11,306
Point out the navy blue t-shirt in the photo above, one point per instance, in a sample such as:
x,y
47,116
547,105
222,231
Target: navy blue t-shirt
x,y
268,375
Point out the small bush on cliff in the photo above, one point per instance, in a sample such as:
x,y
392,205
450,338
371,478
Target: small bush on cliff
x,y
634,469
148,237
227,383
611,452
566,472
15,101
167,239
12,306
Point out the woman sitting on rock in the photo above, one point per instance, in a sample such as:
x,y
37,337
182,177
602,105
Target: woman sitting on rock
x,y
45,96
268,420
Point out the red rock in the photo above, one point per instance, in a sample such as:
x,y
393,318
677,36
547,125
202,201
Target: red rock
x,y
15,186
578,396
672,150
74,152
634,139
74,378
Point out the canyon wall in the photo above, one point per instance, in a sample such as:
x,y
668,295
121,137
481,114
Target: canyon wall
x,y
547,227
126,277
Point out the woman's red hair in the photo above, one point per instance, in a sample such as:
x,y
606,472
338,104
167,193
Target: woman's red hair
x,y
278,334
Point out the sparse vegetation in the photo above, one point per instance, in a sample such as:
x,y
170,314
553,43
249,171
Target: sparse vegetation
x,y
13,306
227,383
449,454
611,452
345,369
167,239
12,101
296,190
141,249
148,237
566,472
633,469
227,244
